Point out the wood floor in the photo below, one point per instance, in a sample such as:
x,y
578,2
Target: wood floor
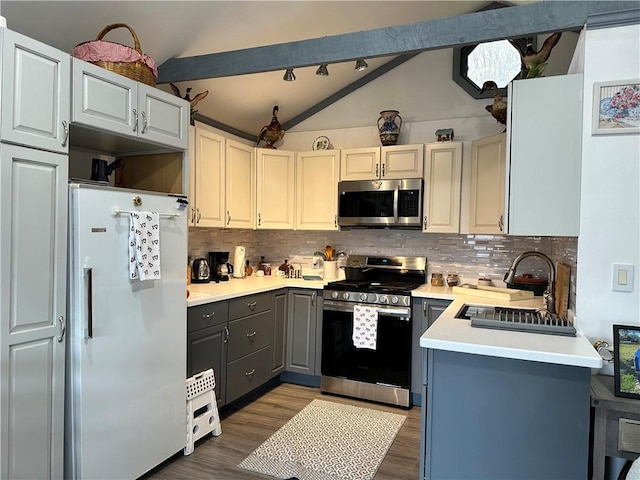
x,y
245,426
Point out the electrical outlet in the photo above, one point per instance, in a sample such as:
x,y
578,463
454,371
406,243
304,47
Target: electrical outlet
x,y
622,278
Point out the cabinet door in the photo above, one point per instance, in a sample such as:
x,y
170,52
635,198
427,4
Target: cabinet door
x,y
488,165
443,181
425,311
275,188
240,185
163,118
209,179
402,161
104,99
544,156
301,331
360,163
317,176
33,252
36,88
278,345
207,348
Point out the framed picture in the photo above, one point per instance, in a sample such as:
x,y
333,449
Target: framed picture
x,y
616,107
626,360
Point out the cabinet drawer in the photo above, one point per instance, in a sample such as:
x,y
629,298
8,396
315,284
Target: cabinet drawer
x,y
248,373
243,306
206,315
246,335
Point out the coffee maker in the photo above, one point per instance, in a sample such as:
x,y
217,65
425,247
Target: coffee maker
x,y
221,270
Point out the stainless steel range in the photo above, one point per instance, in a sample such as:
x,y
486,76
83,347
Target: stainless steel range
x,y
378,369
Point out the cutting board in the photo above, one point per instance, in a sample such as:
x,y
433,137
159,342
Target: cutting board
x,y
498,293
563,280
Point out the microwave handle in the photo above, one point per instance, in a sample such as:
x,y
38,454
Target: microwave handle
x,y
395,203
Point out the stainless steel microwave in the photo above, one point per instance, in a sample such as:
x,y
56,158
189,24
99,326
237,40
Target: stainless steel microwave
x,y
380,203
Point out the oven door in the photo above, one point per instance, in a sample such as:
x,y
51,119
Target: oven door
x,y
389,364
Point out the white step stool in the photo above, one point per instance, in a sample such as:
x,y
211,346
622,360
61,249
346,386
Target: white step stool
x,y
202,408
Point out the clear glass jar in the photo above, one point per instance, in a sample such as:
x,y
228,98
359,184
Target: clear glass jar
x,y
452,279
437,280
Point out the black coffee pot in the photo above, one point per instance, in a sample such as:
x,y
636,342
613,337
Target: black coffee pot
x,y
100,170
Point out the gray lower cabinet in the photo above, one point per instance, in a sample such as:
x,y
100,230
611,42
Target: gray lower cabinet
x,y
207,333
425,312
278,345
301,331
249,347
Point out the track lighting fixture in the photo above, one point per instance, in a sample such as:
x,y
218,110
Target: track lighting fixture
x,y
322,70
361,65
288,75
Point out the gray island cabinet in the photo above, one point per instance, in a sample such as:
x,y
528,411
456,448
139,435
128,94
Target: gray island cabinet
x,y
504,405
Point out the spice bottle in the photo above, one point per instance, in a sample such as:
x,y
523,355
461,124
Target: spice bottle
x,y
452,279
248,270
437,280
285,267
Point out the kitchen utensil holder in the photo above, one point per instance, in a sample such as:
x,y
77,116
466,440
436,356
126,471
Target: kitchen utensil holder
x,y
202,409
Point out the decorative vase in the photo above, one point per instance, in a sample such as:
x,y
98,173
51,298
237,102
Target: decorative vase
x,y
389,124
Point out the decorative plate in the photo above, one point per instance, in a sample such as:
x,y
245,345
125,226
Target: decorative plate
x,y
321,143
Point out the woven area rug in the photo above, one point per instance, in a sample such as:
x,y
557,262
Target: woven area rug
x,y
327,441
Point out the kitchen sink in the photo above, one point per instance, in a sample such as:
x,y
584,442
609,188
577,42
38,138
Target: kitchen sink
x,y
516,319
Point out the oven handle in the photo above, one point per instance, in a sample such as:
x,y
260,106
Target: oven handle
x,y
341,307
396,194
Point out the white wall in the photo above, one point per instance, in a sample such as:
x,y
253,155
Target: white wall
x,y
610,203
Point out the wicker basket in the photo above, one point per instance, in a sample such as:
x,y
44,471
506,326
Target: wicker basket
x,y
118,58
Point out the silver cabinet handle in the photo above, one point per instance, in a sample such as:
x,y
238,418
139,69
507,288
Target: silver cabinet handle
x,y
208,315
251,336
89,273
259,220
135,120
252,305
501,223
248,374
313,299
193,215
65,126
63,328
335,220
226,334
383,173
426,223
144,122
228,217
198,215
377,166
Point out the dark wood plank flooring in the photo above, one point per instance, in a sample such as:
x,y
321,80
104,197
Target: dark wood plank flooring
x,y
247,424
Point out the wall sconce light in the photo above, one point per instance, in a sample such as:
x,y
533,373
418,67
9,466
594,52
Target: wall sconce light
x,y
361,65
288,75
322,70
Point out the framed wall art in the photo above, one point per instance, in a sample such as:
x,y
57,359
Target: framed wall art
x,y
626,360
616,107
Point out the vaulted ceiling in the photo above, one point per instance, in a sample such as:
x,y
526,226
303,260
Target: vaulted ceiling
x,y
238,50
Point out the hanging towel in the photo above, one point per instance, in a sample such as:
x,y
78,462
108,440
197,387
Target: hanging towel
x,y
365,327
144,246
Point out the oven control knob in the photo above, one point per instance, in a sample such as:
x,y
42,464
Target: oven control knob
x,y
394,300
345,296
334,294
383,299
363,297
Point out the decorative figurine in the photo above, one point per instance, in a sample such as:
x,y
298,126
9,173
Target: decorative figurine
x,y
499,108
444,134
534,63
271,133
192,101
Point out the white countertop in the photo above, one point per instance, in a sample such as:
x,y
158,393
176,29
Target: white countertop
x,y
200,293
457,335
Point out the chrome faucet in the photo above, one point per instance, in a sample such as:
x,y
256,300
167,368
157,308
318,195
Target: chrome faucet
x,y
548,295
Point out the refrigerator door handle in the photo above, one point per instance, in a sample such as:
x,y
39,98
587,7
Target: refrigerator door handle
x,y
89,274
63,328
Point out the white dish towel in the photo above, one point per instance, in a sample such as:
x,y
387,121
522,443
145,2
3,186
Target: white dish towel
x,y
144,246
365,327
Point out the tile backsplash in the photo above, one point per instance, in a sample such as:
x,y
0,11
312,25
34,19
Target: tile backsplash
x,y
470,256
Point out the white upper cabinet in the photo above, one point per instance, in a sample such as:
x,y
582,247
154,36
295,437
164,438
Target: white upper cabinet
x,y
35,93
442,187
486,209
275,189
240,181
391,162
317,175
544,159
208,179
113,103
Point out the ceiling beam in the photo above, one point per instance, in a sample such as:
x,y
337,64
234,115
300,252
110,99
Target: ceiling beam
x,y
488,25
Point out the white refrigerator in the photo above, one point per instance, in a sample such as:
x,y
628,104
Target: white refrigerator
x,y
126,349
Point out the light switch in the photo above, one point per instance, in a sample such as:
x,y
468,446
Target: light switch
x,y
622,277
